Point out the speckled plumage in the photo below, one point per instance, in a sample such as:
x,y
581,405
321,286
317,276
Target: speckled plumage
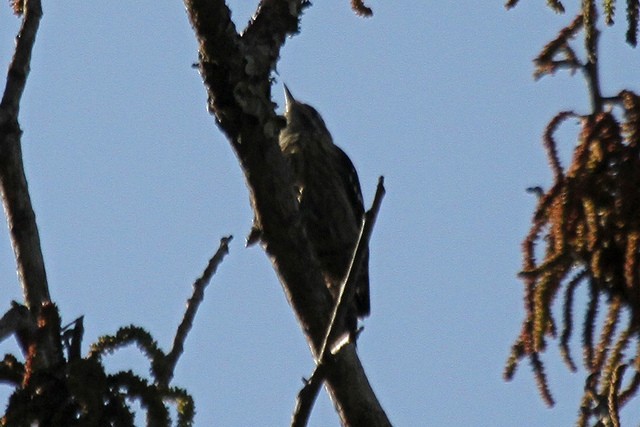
x,y
330,198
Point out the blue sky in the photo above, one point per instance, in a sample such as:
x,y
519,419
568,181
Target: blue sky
x,y
133,186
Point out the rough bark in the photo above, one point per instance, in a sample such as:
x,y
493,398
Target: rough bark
x,y
21,218
13,183
236,70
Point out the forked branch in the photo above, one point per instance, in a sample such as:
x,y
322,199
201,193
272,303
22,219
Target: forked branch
x,y
21,218
13,183
171,359
237,73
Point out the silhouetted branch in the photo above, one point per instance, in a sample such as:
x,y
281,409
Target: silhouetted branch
x,y
307,397
13,183
590,69
237,71
19,322
309,393
348,288
240,98
190,313
72,337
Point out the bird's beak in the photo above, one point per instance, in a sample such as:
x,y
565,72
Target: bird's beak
x,y
288,98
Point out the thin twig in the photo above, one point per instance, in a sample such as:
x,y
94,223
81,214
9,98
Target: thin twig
x,y
72,338
309,393
192,307
347,290
19,322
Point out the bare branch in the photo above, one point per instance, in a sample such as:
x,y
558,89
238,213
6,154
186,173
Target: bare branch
x,y
192,307
307,397
72,337
272,23
19,322
633,10
309,393
237,74
351,391
13,183
348,289
21,218
590,69
246,115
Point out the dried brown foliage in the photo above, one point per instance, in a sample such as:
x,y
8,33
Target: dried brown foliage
x,y
553,4
589,11
586,232
17,6
360,8
588,223
558,54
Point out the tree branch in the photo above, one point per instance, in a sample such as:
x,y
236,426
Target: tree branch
x,y
307,397
245,113
236,72
348,288
309,393
13,183
21,218
19,322
348,385
192,307
592,75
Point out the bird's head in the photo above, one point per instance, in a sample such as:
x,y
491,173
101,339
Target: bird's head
x,y
301,117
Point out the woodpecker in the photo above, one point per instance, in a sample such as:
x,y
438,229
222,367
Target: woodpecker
x,y
330,199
